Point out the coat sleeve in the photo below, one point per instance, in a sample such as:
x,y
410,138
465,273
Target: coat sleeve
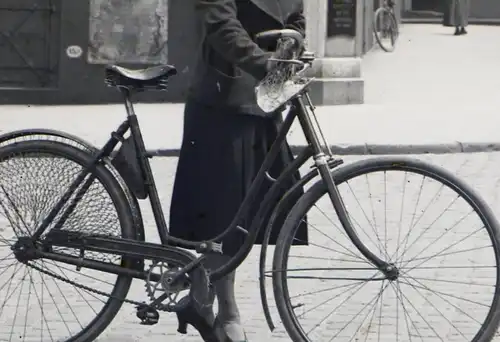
x,y
227,36
297,21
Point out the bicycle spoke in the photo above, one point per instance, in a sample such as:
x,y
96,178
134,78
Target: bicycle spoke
x,y
395,255
375,299
25,330
331,278
399,295
325,290
371,320
442,252
413,223
17,305
348,252
67,302
446,300
338,306
43,318
342,231
333,250
444,294
372,224
446,231
325,259
436,309
79,291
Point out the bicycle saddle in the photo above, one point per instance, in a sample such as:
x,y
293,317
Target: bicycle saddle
x,y
139,79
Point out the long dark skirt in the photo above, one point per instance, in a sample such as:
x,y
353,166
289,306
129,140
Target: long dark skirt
x,y
221,154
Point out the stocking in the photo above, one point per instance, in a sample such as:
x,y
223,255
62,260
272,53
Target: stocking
x,y
228,315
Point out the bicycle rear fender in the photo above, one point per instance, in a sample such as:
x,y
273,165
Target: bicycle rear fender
x,y
278,209
50,134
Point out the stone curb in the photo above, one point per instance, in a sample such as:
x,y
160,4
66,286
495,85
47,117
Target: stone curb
x,y
381,149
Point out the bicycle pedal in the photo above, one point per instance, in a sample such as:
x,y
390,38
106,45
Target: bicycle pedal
x,y
147,315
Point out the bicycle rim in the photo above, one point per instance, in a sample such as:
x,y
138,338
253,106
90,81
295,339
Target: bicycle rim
x,y
385,29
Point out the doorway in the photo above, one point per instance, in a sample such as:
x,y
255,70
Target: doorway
x,y
426,5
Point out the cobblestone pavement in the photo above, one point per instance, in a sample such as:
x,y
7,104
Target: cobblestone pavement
x,y
479,170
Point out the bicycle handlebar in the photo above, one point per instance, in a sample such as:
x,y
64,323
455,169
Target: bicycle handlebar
x,y
274,35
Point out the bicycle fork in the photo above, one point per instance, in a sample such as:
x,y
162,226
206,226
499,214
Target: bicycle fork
x,y
321,162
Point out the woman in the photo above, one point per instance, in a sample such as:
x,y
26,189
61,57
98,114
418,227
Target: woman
x,y
459,15
225,139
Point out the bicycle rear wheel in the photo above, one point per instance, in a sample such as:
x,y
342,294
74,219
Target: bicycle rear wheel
x,y
385,29
448,261
35,305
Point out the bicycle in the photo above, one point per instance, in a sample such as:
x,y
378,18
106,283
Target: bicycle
x,y
385,26
73,205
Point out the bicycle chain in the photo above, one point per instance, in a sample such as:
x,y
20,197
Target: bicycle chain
x,y
89,289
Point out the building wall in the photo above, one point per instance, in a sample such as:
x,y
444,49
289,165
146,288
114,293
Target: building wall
x,y
84,35
480,9
88,35
485,9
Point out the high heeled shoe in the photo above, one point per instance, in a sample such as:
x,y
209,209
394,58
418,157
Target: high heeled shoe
x,y
221,333
189,315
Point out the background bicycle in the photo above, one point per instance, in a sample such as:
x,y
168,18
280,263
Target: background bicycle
x,y
385,26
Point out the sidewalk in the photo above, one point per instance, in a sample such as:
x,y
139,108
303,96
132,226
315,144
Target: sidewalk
x,y
436,93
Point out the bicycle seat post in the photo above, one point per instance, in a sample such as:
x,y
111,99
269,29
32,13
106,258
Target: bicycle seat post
x,y
127,100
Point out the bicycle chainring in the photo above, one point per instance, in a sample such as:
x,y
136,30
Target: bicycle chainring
x,y
169,290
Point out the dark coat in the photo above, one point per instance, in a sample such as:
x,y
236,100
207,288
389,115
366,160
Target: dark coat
x,y
225,139
446,4
229,62
456,12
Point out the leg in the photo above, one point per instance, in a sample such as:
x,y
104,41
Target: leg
x,y
464,12
455,12
228,323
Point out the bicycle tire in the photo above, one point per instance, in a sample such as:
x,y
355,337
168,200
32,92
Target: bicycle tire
x,y
121,204
379,13
344,174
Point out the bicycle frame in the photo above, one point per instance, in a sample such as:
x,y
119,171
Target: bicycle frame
x,y
143,250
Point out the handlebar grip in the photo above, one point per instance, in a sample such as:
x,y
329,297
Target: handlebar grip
x,y
274,35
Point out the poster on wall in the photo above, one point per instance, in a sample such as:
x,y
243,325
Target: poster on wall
x,y
128,32
341,18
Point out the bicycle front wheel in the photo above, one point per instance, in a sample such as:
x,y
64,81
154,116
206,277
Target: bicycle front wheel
x,y
385,29
447,258
39,299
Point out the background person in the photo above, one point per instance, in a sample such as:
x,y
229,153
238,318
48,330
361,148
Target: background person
x,y
459,15
225,139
